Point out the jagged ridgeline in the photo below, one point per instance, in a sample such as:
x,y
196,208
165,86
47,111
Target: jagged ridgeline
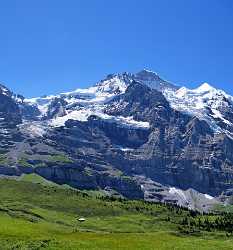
x,y
134,135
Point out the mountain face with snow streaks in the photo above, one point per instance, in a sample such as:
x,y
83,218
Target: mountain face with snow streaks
x,y
137,134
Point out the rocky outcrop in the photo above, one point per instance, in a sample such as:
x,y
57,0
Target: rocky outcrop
x,y
9,111
81,178
181,151
56,108
29,112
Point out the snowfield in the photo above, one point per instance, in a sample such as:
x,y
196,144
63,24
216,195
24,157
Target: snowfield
x,y
89,102
83,114
204,102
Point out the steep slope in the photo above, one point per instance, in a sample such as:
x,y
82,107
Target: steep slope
x,y
181,150
10,135
207,103
9,110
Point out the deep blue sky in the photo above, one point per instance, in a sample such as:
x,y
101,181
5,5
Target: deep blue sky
x,y
49,46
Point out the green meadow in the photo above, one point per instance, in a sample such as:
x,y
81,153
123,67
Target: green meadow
x,y
38,214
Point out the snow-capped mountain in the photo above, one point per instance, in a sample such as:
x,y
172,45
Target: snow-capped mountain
x,y
207,103
82,103
135,133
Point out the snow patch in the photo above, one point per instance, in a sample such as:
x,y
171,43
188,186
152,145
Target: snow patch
x,y
79,115
83,114
179,192
205,87
123,148
150,71
35,129
5,91
208,197
218,115
199,101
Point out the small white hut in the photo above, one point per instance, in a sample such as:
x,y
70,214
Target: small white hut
x,y
81,219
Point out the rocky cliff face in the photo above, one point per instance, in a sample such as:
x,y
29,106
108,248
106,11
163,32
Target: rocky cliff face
x,y
181,150
10,118
9,110
133,133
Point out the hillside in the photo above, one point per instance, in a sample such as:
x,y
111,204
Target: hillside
x,y
44,216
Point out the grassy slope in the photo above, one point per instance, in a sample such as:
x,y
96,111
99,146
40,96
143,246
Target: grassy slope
x,y
35,216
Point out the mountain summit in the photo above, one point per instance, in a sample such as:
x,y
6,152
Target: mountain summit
x,y
153,80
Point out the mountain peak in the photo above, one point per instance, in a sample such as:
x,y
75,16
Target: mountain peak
x,y
147,71
205,87
153,80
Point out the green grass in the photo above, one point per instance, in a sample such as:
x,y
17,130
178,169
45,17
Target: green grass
x,y
38,214
60,158
34,178
24,162
223,208
57,158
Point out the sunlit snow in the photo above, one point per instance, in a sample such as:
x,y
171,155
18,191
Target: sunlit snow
x,y
198,101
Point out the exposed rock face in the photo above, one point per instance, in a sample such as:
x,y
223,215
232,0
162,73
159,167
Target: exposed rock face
x,y
119,135
80,178
181,150
9,110
126,135
29,112
153,80
10,118
56,108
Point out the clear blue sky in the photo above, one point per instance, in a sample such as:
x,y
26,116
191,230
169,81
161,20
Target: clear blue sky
x,y
49,46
